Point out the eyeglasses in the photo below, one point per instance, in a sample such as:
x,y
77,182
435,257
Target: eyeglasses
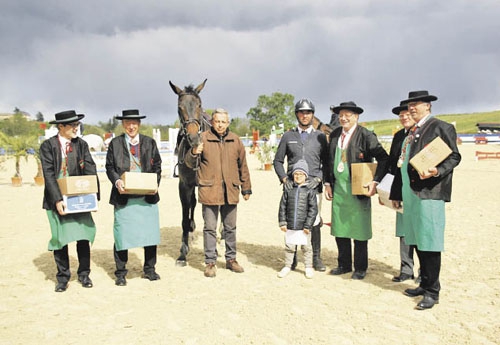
x,y
74,124
346,115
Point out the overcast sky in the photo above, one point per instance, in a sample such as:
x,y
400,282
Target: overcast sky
x,y
102,56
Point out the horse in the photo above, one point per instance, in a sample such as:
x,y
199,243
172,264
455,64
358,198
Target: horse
x,y
317,124
95,142
193,123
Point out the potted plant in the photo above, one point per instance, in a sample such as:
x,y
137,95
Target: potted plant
x,y
265,154
39,180
17,146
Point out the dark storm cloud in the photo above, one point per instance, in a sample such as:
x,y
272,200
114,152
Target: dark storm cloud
x,y
104,56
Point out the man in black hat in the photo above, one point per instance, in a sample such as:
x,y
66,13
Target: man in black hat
x,y
136,216
393,167
305,142
351,214
65,155
424,196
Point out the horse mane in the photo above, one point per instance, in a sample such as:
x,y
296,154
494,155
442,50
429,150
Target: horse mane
x,y
189,89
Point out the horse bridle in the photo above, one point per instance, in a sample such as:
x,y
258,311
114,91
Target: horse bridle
x,y
190,120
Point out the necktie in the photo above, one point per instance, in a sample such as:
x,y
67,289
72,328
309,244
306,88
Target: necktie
x,y
407,141
303,135
67,150
342,137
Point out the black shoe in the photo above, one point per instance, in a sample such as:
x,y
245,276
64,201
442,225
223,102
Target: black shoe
x,y
414,292
85,281
61,287
340,270
152,276
402,277
318,265
358,275
427,303
120,281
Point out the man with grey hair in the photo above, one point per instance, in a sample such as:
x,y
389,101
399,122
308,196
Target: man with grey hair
x,y
424,195
222,173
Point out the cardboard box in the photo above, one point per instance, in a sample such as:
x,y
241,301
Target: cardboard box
x,y
75,185
80,203
139,183
431,155
361,174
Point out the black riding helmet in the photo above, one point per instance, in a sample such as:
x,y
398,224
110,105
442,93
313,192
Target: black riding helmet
x,y
304,104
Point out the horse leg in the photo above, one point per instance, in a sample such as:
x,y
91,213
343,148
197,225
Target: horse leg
x,y
186,223
188,201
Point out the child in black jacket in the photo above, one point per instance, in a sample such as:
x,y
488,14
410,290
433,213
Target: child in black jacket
x,y
297,212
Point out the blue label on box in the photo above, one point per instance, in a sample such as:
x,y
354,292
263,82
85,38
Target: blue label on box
x,y
80,203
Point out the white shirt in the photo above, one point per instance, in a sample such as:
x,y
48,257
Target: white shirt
x,y
343,143
308,130
64,142
132,141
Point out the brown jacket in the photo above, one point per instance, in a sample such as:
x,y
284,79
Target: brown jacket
x,y
223,169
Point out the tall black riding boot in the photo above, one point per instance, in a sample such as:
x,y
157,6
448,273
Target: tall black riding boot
x,y
316,247
294,262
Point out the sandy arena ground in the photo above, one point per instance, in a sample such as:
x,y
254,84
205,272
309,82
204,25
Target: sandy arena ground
x,y
255,307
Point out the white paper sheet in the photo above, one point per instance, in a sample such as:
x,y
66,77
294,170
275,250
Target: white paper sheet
x,y
295,237
384,190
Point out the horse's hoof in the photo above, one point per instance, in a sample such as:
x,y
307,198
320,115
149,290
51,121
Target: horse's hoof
x,y
180,263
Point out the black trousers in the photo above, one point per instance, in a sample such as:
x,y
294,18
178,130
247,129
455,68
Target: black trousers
x,y
62,261
430,267
121,258
345,254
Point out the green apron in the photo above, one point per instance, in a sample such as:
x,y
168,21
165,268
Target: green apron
x,y
137,224
424,220
351,216
71,227
400,230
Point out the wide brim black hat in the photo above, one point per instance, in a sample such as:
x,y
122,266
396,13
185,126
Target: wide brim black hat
x,y
130,114
402,106
67,116
420,96
347,105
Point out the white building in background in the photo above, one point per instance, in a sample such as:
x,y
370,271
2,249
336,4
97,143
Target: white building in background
x,y
27,116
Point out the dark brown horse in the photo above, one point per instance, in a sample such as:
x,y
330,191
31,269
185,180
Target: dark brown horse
x,y
317,124
193,123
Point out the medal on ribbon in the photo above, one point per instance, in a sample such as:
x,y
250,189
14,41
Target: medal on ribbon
x,y
340,167
343,159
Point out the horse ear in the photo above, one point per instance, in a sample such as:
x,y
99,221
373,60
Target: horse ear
x,y
200,87
176,89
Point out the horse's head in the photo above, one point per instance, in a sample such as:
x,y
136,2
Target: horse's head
x,y
190,111
317,124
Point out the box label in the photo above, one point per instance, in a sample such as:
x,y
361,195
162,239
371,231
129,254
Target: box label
x,y
80,203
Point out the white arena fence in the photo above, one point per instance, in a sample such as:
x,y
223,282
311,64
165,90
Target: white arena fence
x,y
168,162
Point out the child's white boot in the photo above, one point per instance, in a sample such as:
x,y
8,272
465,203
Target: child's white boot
x,y
284,272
